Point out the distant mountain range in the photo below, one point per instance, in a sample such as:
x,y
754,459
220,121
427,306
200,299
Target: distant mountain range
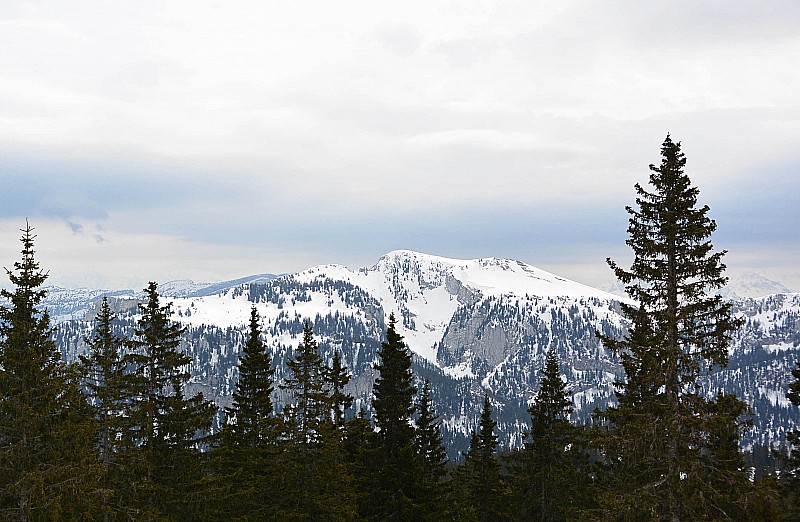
x,y
741,285
475,326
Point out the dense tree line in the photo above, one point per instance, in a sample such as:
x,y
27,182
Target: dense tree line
x,y
119,435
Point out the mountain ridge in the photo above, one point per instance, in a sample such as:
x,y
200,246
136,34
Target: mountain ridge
x,y
475,326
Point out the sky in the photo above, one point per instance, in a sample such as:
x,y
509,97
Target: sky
x,y
159,140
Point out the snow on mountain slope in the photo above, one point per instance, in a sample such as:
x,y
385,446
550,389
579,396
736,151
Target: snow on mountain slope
x,y
490,276
752,284
477,326
65,304
423,291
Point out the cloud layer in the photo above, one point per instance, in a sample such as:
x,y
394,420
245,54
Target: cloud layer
x,y
270,136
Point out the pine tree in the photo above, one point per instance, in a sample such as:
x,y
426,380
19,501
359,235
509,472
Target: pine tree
x,y
679,329
360,450
252,408
167,428
311,459
790,476
337,377
430,447
478,479
243,464
105,383
394,493
552,407
48,466
547,475
394,393
308,388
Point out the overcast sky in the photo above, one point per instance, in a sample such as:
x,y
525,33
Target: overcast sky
x,y
169,140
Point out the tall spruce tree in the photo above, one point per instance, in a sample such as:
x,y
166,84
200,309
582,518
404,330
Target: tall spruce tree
x,y
430,447
243,478
790,476
680,328
432,457
547,473
394,392
167,427
252,408
478,480
337,377
307,385
394,493
48,466
314,482
105,386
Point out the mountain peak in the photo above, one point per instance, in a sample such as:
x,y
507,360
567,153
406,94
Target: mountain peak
x,y
490,275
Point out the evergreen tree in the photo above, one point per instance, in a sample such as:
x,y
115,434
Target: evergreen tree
x,y
790,476
48,466
432,458
394,392
307,385
167,428
552,407
311,459
679,329
794,387
338,377
252,409
429,440
244,479
478,480
105,384
547,474
393,495
360,450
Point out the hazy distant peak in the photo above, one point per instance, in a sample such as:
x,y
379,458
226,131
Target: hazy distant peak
x,y
753,284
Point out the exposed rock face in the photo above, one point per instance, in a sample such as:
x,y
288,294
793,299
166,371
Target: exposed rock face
x,y
475,326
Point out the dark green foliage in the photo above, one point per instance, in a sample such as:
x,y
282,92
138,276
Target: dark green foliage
x,y
48,466
549,475
360,450
794,387
790,478
667,444
478,486
311,477
395,467
308,388
337,377
394,392
104,380
242,475
252,410
429,439
432,457
138,448
552,406
167,427
105,384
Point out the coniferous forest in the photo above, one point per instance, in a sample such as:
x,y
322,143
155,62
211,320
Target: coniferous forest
x,y
118,435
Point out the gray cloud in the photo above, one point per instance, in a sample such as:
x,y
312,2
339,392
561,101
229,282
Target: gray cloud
x,y
514,129
76,228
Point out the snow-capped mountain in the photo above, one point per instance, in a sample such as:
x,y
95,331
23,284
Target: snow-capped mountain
x,y
741,285
753,284
73,303
475,326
